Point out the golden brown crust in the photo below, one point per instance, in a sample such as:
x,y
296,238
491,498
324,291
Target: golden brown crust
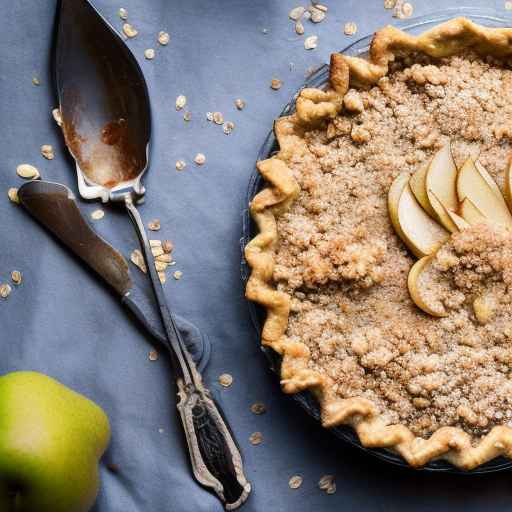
x,y
313,107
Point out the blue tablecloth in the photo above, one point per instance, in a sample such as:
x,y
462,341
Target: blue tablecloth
x,y
64,322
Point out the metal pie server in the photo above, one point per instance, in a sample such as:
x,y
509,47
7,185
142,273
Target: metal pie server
x,y
106,120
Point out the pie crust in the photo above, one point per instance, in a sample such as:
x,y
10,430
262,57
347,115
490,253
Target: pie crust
x,y
313,107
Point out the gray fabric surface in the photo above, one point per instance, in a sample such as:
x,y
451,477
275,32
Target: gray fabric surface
x,y
64,322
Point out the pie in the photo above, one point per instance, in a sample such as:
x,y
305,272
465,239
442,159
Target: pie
x,y
384,249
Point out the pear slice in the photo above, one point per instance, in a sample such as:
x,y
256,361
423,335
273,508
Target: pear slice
x,y
488,178
508,184
470,213
419,189
395,191
459,221
422,234
421,293
471,184
441,181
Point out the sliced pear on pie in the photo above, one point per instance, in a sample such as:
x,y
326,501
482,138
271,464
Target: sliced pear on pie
x,y
423,290
473,186
488,178
395,191
508,184
441,181
459,221
422,234
470,213
419,189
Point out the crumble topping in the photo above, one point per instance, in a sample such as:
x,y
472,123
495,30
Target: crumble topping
x,y
346,270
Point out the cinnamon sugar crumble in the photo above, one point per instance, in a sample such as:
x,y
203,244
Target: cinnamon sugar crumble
x,y
346,270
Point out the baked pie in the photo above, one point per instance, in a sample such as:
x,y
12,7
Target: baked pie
x,y
384,251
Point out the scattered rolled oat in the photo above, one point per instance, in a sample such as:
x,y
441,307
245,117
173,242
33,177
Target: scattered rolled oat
x,y
97,214
226,380
239,104
327,484
180,165
276,84
321,7
27,171
350,28
5,290
155,243
389,4
163,38
166,258
162,277
256,438
407,10
311,42
35,81
160,266
157,251
123,13
181,101
228,127
177,275
167,246
295,482
209,116
16,277
299,28
154,225
317,15
137,259
153,355
296,13
187,116
258,408
47,151
218,118
508,6
200,159
149,54
129,30
12,193
57,116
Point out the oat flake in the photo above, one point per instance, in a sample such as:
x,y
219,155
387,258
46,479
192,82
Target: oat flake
x,y
325,482
239,104
155,243
162,277
187,116
178,275
57,116
123,13
218,118
228,127
129,30
407,10
154,225
181,101
226,380
311,42
350,28
295,482
153,355
157,251
299,28
256,438
35,81
27,171
180,165
167,246
138,260
200,159
320,7
258,408
12,193
163,38
149,54
16,277
209,116
276,84
97,214
47,151
316,15
296,13
5,290
160,266
389,4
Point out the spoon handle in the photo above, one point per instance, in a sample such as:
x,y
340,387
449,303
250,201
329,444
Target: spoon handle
x,y
215,457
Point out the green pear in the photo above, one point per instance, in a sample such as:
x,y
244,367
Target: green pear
x,y
51,440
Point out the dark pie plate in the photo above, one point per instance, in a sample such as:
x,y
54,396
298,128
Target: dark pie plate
x,y
256,183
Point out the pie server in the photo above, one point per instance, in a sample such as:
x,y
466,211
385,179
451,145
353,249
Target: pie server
x,y
106,120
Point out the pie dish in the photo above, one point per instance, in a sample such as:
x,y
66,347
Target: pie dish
x,y
331,271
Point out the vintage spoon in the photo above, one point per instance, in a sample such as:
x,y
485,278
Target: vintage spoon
x,y
106,120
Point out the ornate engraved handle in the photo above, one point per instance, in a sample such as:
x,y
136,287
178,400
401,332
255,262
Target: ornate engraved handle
x,y
216,460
